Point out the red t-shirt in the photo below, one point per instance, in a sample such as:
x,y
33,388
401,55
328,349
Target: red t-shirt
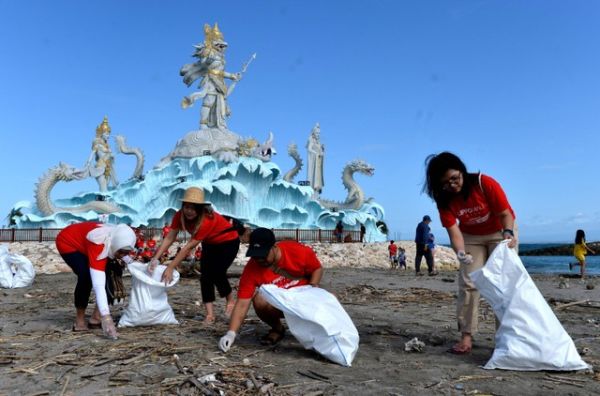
x,y
297,259
210,230
165,231
478,215
73,239
393,249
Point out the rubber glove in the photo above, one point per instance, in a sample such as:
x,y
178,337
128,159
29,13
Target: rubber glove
x,y
227,341
464,258
108,327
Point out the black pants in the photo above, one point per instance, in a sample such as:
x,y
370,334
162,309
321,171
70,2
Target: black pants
x,y
215,261
80,266
421,251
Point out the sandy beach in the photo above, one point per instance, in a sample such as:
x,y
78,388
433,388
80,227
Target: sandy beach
x,y
41,355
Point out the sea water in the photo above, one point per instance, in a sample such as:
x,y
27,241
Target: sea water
x,y
559,264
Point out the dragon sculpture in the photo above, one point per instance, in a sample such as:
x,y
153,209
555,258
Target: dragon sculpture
x,y
356,197
66,173
293,152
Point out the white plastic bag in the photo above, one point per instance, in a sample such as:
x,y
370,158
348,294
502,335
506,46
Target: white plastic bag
x,y
530,337
15,270
148,302
317,320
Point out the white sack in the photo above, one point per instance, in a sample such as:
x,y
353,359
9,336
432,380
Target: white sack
x,y
15,270
530,337
317,319
148,302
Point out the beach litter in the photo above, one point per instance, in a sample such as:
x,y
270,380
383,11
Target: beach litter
x,y
414,345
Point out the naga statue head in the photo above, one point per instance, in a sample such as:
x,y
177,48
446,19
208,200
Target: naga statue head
x,y
361,166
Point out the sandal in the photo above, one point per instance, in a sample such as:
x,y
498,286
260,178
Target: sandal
x,y
273,337
74,329
208,320
94,325
459,349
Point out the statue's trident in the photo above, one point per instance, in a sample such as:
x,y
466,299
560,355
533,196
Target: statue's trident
x,y
244,68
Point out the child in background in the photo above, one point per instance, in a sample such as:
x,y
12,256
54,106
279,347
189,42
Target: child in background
x,y
579,251
401,258
393,250
431,247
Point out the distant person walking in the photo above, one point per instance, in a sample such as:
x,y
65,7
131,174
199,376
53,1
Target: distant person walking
x,y
476,213
580,250
421,238
339,231
363,230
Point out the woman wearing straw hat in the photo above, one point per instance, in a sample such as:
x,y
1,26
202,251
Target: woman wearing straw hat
x,y
220,245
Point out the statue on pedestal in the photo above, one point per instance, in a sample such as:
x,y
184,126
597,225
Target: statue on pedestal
x,y
316,153
210,69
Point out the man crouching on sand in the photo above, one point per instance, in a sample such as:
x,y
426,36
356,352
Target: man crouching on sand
x,y
285,264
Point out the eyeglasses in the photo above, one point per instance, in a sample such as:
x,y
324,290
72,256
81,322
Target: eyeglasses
x,y
452,181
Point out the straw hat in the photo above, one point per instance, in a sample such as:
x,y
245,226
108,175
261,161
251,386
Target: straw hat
x,y
194,195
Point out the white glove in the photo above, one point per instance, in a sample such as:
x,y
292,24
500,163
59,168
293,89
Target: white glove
x,y
108,327
464,258
227,341
127,259
152,266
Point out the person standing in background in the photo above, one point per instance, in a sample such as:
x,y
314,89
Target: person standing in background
x,y
421,238
580,250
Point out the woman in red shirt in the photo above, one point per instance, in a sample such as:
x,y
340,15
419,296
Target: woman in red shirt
x,y
476,213
220,245
85,248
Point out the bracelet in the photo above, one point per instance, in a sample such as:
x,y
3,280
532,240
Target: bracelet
x,y
508,231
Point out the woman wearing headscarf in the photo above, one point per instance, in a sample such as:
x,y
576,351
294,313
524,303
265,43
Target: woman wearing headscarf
x,y
86,248
477,215
220,245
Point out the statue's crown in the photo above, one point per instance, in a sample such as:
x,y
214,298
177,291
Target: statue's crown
x,y
103,127
212,35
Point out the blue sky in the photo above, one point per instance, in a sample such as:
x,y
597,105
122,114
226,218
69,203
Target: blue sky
x,y
512,87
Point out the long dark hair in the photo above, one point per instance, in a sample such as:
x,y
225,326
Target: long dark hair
x,y
579,237
436,166
202,210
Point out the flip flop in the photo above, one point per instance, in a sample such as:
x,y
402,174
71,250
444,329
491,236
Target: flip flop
x,y
273,337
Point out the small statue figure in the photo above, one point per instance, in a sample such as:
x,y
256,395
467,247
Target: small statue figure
x,y
210,69
316,153
103,170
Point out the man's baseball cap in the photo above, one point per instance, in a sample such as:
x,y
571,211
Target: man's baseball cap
x,y
261,241
426,218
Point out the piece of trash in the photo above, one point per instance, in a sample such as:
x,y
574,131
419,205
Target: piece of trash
x,y
205,379
585,351
459,387
563,284
27,295
414,345
246,362
590,286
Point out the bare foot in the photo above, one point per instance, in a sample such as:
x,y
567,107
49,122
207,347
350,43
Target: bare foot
x,y
208,320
